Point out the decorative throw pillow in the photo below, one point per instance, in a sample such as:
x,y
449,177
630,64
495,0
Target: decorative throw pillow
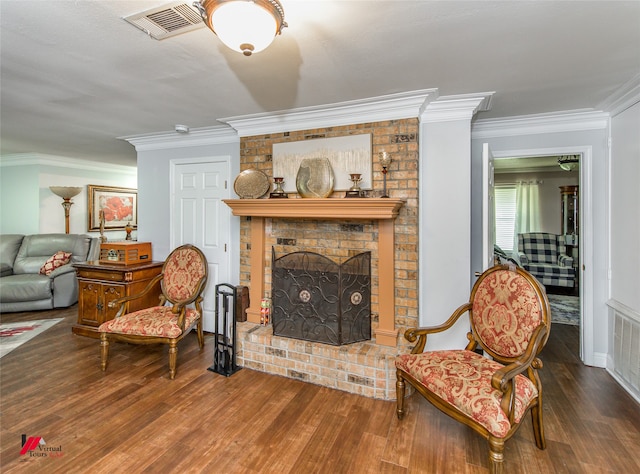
x,y
56,260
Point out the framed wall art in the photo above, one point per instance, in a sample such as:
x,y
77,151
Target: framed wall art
x,y
119,206
349,154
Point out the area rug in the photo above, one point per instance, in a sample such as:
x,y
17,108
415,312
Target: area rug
x,y
13,335
565,309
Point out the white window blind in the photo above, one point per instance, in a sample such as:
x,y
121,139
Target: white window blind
x,y
505,201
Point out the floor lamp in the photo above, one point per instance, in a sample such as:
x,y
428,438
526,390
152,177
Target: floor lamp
x,y
66,193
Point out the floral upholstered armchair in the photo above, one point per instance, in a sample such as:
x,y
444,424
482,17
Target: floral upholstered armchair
x,y
183,280
509,317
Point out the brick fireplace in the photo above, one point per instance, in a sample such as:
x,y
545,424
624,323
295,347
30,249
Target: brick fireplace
x,y
338,228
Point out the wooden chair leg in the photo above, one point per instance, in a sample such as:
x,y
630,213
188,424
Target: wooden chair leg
x,y
538,427
104,350
173,359
200,334
496,455
400,390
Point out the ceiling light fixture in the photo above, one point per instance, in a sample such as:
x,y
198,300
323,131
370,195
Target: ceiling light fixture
x,y
246,26
569,162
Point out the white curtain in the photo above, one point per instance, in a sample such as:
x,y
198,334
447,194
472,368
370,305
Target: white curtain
x,y
527,209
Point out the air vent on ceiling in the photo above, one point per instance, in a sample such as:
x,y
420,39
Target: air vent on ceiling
x,y
168,20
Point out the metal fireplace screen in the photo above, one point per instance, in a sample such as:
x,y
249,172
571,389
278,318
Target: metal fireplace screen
x,y
316,299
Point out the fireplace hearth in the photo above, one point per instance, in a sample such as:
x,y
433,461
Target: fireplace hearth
x,y
316,299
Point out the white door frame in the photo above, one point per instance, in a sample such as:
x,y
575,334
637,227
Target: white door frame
x,y
488,207
585,270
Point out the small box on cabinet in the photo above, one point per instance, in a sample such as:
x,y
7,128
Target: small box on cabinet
x,y
125,253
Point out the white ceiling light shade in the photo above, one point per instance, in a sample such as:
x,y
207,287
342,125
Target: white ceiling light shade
x,y
246,26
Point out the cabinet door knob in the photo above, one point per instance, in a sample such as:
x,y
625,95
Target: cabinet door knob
x,y
100,306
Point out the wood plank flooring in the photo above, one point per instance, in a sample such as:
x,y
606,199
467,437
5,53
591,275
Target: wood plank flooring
x,y
134,419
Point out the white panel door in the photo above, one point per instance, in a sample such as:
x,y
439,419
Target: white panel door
x,y
488,207
200,218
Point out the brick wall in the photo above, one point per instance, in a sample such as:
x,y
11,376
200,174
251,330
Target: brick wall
x,y
341,239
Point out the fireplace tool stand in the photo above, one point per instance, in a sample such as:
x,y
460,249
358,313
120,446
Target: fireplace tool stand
x,y
224,355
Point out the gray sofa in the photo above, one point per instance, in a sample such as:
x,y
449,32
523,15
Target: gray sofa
x,y
23,288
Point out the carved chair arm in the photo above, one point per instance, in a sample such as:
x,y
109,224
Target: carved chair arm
x,y
420,334
124,301
196,298
181,310
504,378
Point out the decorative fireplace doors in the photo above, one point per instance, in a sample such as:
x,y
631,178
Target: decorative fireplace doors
x,y
316,299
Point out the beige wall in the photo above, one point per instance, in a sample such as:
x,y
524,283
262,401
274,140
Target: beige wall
x,y
551,218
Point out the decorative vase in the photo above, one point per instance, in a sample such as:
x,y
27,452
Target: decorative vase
x,y
128,229
315,178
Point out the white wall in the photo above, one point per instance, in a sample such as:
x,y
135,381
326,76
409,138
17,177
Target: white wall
x,y
29,206
624,304
155,155
585,133
625,207
444,218
19,199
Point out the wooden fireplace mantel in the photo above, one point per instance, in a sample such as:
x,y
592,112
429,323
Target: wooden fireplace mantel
x,y
310,208
384,210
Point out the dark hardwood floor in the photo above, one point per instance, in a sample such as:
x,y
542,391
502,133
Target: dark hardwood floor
x,y
134,419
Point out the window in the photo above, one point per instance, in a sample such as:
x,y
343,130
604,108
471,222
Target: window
x,y
505,201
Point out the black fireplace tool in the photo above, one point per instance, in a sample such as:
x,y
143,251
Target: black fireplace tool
x,y
224,352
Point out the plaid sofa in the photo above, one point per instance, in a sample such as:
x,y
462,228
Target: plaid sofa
x,y
544,256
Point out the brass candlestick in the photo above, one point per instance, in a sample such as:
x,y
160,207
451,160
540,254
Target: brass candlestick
x,y
278,192
354,190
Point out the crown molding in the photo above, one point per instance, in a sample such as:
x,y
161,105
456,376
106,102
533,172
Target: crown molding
x,y
623,98
376,109
456,107
30,159
567,121
195,137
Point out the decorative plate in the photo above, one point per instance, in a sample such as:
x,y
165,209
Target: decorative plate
x,y
251,184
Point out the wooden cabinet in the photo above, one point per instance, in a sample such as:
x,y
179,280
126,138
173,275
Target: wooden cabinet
x,y
569,199
99,283
570,219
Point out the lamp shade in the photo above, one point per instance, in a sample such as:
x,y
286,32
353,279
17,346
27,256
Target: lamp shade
x,y
384,158
246,26
65,192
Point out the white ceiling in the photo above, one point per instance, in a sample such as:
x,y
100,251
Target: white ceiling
x,y
75,75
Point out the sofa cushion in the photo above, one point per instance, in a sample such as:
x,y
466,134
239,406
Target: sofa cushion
x,y
552,275
539,247
55,261
9,246
36,249
5,269
25,287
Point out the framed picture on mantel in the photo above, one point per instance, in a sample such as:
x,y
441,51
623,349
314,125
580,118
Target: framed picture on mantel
x,y
118,207
348,154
